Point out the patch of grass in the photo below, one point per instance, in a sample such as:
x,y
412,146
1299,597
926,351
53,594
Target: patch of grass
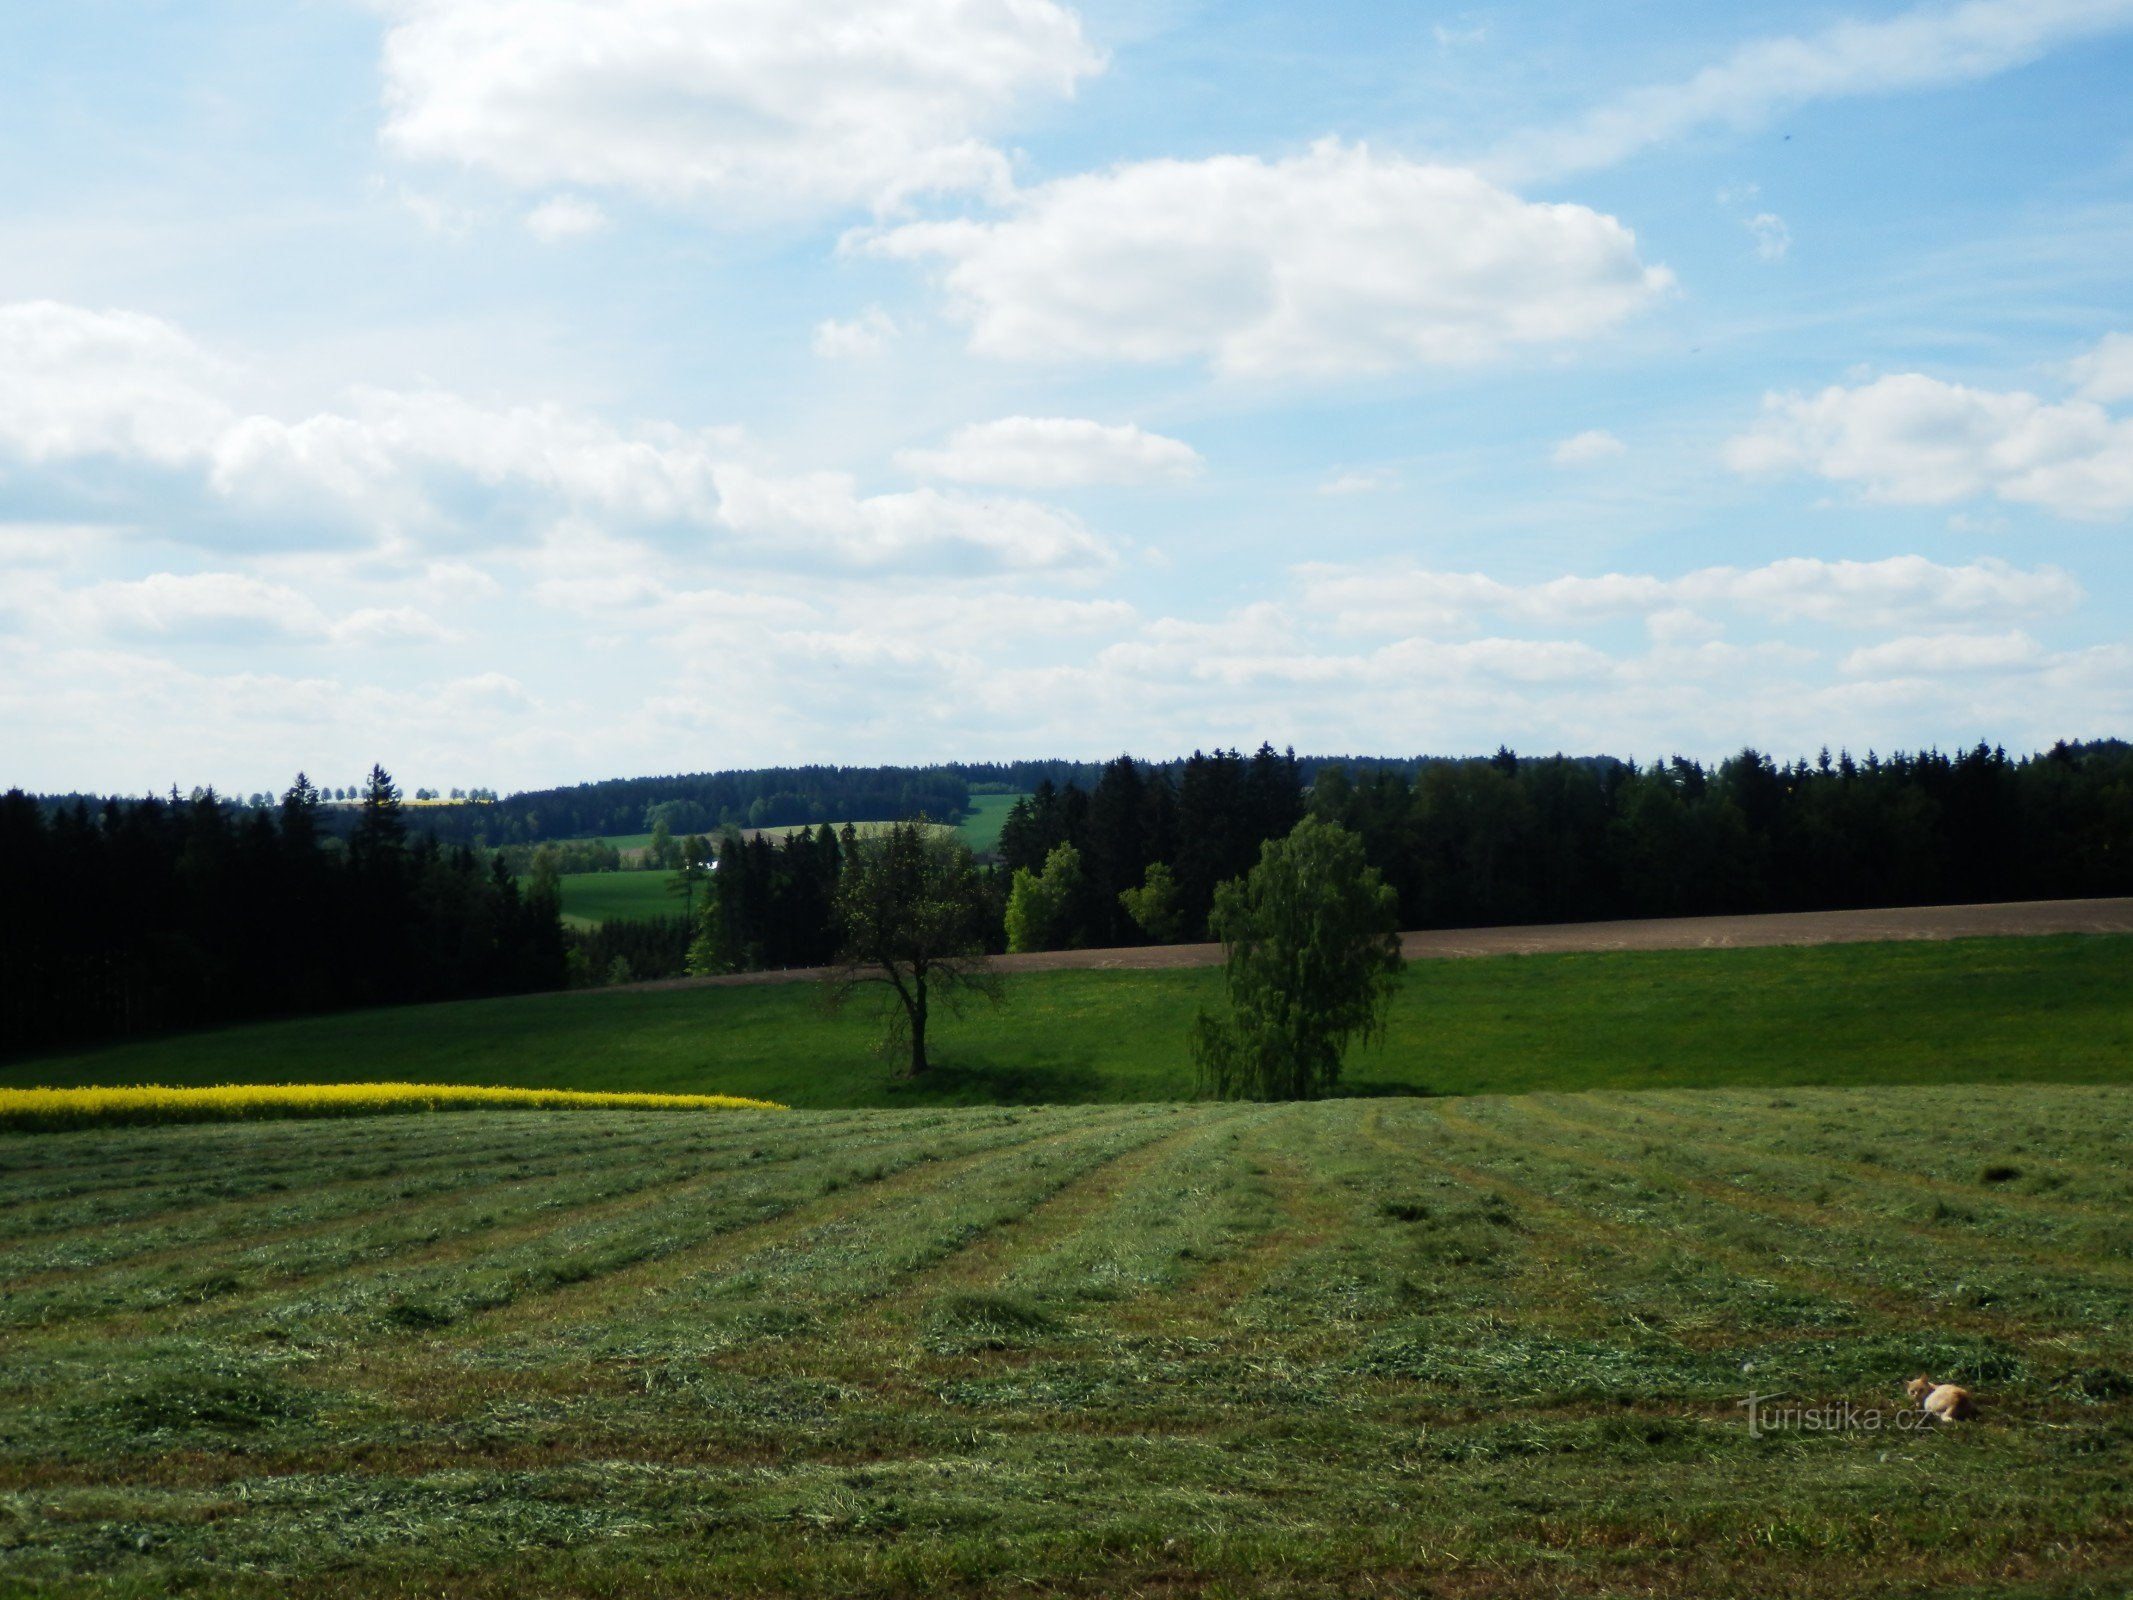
x,y
590,898
980,830
1370,1346
1970,1011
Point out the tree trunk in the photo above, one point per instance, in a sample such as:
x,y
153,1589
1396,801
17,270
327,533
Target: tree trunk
x,y
918,1027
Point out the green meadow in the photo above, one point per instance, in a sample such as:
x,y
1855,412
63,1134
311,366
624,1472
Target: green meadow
x,y
589,898
981,828
1968,1011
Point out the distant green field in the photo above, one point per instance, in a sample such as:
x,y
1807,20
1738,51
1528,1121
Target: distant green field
x,y
1983,1010
1478,1349
594,897
981,829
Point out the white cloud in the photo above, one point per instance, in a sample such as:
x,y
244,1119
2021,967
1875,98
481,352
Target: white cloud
x,y
1772,238
1914,440
231,608
48,544
823,511
755,102
1368,480
1945,652
384,455
402,466
1927,46
223,606
1337,261
1055,453
564,217
865,336
2106,372
77,383
1898,591
1587,449
374,626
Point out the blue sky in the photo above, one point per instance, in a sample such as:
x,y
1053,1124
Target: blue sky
x,y
524,391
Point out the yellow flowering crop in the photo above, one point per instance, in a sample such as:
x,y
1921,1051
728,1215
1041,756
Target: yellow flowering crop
x,y
76,1108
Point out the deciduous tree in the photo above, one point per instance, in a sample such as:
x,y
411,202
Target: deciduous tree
x,y
1041,906
910,913
1314,956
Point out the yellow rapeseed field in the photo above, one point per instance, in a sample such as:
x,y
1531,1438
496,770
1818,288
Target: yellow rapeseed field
x,y
76,1108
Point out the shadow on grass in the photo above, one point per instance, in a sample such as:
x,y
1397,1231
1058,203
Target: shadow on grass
x,y
1381,1090
1020,1083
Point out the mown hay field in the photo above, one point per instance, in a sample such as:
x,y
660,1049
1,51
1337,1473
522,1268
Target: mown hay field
x,y
1461,1347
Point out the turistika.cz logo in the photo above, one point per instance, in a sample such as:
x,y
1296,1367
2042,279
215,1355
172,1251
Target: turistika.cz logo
x,y
1773,1413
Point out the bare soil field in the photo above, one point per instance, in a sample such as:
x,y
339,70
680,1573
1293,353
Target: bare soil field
x,y
2012,918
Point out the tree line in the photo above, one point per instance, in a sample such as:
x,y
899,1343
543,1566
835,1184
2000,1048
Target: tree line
x,y
129,916
144,915
1512,839
1139,856
703,802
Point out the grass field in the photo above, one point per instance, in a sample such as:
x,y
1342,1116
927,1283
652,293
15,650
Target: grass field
x,y
981,829
1367,1347
595,897
1980,1010
590,898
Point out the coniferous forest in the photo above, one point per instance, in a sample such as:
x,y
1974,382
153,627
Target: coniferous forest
x,y
145,915
1505,840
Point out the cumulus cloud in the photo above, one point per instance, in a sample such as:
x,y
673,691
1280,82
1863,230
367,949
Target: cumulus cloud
x,y
839,102
1922,48
231,608
221,606
1898,591
1055,453
564,217
1945,652
866,335
1587,449
2106,372
75,382
824,512
405,466
1332,262
1910,439
78,385
387,454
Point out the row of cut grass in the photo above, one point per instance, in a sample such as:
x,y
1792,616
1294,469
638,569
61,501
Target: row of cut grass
x,y
1479,1347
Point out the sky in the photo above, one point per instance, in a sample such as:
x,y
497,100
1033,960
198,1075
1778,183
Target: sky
x,y
520,392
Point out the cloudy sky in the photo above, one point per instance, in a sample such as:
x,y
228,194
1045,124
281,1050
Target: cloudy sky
x,y
526,391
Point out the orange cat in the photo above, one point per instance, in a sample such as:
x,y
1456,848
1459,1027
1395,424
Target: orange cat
x,y
1942,1400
